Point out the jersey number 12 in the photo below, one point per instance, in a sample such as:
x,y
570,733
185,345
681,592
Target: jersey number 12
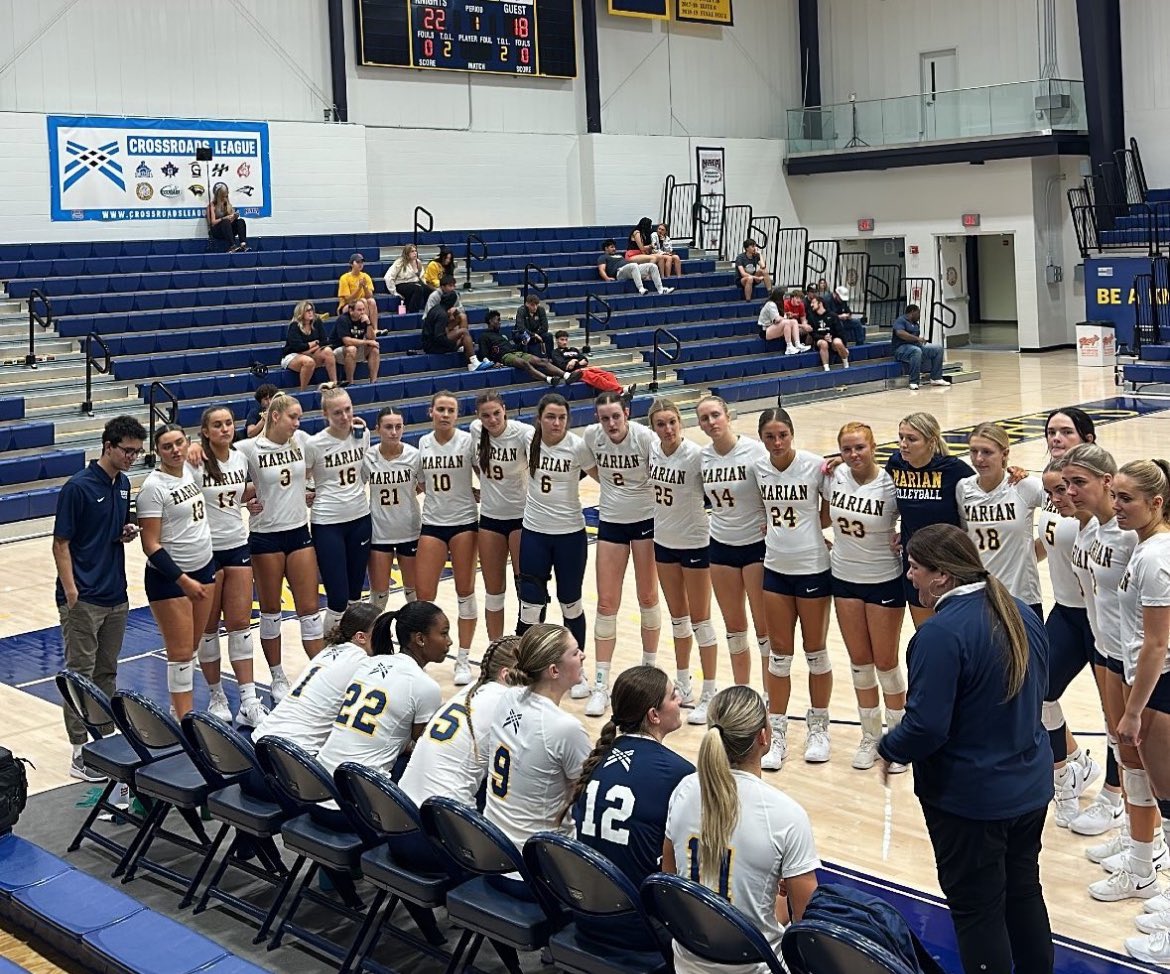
x,y
619,800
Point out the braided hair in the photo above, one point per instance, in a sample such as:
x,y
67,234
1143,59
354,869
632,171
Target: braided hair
x,y
500,655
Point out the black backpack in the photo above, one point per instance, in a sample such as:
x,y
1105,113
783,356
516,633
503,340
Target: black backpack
x,y
13,789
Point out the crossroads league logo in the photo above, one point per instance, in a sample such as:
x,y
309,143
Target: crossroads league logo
x,y
86,160
143,171
170,170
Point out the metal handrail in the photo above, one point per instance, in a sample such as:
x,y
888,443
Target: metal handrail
x,y
36,318
758,233
590,300
430,225
727,218
528,282
667,189
821,258
91,366
660,333
474,238
1139,169
156,414
942,316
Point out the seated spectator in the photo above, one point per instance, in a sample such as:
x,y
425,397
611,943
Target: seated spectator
x,y
751,270
564,356
638,248
823,287
794,305
224,223
305,347
601,380
531,330
852,323
444,329
668,261
913,351
446,286
444,263
772,324
356,340
404,278
255,421
495,346
354,285
826,329
612,266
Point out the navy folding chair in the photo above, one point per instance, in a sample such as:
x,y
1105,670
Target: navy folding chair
x,y
822,947
172,782
244,804
706,924
595,893
484,911
323,837
371,796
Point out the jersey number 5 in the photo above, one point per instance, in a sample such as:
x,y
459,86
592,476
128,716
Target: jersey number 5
x,y
620,802
447,724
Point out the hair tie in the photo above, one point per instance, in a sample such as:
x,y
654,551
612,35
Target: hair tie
x,y
718,727
985,575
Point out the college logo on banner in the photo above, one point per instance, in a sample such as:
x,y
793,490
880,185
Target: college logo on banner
x,y
115,169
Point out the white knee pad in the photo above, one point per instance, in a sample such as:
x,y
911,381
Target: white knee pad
x,y
269,625
864,676
209,651
572,610
530,613
780,665
240,646
681,627
379,599
893,681
468,607
651,617
818,662
705,633
180,676
411,595
1137,788
494,601
312,627
737,643
605,627
1051,716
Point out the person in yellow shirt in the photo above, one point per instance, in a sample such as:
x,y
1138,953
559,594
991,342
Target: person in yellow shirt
x,y
356,284
434,271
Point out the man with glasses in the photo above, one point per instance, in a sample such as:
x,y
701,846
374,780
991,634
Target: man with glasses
x,y
92,525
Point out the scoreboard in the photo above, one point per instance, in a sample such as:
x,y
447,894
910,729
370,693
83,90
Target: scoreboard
x,y
521,37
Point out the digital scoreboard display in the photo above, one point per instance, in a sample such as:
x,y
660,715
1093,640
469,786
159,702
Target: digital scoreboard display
x,y
537,37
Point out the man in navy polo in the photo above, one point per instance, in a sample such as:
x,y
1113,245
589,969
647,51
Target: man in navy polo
x,y
92,526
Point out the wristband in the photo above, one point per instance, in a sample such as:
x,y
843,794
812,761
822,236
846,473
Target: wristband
x,y
165,565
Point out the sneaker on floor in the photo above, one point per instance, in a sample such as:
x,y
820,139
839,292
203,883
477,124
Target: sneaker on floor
x,y
1065,807
667,290
777,753
1158,904
699,714
792,350
1111,847
1120,860
251,712
1098,817
1154,949
1088,772
78,770
598,702
804,348
939,382
218,705
686,695
1152,922
896,768
279,688
913,387
462,673
581,690
865,757
642,290
845,364
816,744
1124,885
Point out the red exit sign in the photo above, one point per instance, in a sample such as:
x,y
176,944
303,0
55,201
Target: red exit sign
x,y
865,225
970,220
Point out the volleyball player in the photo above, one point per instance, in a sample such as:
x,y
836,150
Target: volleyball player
x,y
502,462
305,715
737,541
390,699
681,542
1067,427
553,535
625,530
180,570
729,831
393,470
867,585
797,583
450,522
224,480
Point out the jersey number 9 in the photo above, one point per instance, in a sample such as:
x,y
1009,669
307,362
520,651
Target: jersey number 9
x,y
501,770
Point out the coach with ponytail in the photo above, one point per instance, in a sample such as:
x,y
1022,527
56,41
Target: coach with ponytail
x,y
982,764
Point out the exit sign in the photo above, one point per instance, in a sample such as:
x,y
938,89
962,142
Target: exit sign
x,y
970,220
865,225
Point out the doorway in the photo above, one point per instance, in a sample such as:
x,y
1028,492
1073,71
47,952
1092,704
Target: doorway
x,y
938,78
991,286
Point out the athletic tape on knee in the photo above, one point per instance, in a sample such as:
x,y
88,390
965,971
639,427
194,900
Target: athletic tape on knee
x,y
240,646
818,662
180,677
651,617
864,676
379,599
780,665
530,613
605,627
468,607
572,610
737,643
209,651
1137,788
312,627
705,633
681,627
893,681
494,601
1051,716
1114,747
269,625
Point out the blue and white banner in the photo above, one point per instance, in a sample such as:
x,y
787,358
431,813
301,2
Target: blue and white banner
x,y
145,168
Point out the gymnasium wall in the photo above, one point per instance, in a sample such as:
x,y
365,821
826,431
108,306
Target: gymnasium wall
x,y
1145,26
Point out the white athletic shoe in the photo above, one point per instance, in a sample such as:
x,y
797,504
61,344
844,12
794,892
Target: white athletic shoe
x,y
581,690
816,744
279,688
804,348
913,386
218,705
1065,808
1111,847
598,702
1152,922
1120,860
1088,772
939,382
699,714
1098,817
792,350
462,673
896,768
667,290
865,757
686,695
251,712
1154,949
1157,904
777,753
1124,885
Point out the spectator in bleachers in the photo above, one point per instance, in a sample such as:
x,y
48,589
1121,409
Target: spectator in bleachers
x,y
404,278
447,285
444,263
356,285
638,247
773,324
531,330
495,346
851,321
355,339
794,306
751,270
305,347
668,261
826,329
823,287
444,329
612,266
255,421
914,351
564,356
224,223
601,380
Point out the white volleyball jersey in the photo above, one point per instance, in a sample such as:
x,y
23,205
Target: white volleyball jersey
x,y
863,518
623,472
305,715
1059,535
504,481
223,501
451,758
394,507
536,751
680,519
278,472
335,466
446,477
1001,522
772,840
1082,545
1145,582
792,509
1108,557
386,697
554,491
737,513
178,504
